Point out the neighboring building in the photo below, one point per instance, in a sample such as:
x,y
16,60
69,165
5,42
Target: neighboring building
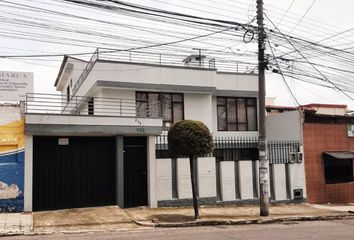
x,y
328,109
106,133
287,170
319,108
273,109
11,158
328,148
329,156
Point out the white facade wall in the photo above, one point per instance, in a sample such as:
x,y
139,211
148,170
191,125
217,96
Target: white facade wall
x,y
28,174
288,126
164,179
206,177
297,178
198,107
284,126
184,186
238,82
279,179
227,180
72,71
246,179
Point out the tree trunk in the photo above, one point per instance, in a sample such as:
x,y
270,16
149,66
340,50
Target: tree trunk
x,y
194,187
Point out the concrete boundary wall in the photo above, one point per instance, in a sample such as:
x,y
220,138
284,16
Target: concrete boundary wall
x,y
246,183
279,181
227,180
206,177
164,179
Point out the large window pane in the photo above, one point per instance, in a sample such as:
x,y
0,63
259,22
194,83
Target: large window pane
x,y
231,114
222,124
141,109
237,114
177,112
154,105
166,107
241,114
252,114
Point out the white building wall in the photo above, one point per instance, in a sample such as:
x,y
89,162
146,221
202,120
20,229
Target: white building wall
x,y
297,178
288,126
148,74
152,172
246,179
279,178
184,186
284,126
198,107
206,177
164,179
227,180
239,82
28,174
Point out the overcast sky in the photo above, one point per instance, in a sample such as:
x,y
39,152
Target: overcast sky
x,y
325,17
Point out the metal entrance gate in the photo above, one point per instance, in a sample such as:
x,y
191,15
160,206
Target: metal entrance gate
x,y
73,172
135,172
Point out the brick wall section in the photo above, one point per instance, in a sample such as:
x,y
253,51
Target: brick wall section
x,y
319,138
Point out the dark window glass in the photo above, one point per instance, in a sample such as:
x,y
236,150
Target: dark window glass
x,y
338,170
231,114
153,105
177,112
167,105
236,114
252,114
221,114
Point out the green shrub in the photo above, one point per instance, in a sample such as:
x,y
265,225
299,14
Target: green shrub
x,y
189,138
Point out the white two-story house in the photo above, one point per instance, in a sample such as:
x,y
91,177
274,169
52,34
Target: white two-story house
x,y
101,140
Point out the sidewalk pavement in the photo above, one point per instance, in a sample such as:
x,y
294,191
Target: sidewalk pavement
x,y
113,218
234,214
15,223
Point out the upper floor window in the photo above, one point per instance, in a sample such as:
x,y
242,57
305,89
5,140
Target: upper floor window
x,y
236,114
167,105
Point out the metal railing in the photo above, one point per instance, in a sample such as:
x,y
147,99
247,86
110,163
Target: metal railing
x,y
242,148
86,105
85,72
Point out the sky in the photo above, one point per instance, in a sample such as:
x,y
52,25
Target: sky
x,y
322,18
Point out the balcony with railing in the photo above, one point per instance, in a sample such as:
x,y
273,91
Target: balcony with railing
x,y
46,113
167,60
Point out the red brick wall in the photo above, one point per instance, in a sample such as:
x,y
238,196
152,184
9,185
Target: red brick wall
x,y
319,138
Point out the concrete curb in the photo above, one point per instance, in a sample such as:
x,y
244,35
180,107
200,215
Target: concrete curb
x,y
266,220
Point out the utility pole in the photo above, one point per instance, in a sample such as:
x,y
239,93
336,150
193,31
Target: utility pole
x,y
262,142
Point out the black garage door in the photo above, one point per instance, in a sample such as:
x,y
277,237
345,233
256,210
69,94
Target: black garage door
x,y
73,172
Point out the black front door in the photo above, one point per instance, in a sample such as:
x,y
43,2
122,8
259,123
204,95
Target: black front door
x,y
73,172
135,172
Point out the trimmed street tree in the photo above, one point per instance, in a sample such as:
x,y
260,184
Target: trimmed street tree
x,y
190,138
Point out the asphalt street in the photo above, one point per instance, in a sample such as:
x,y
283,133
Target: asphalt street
x,y
316,230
